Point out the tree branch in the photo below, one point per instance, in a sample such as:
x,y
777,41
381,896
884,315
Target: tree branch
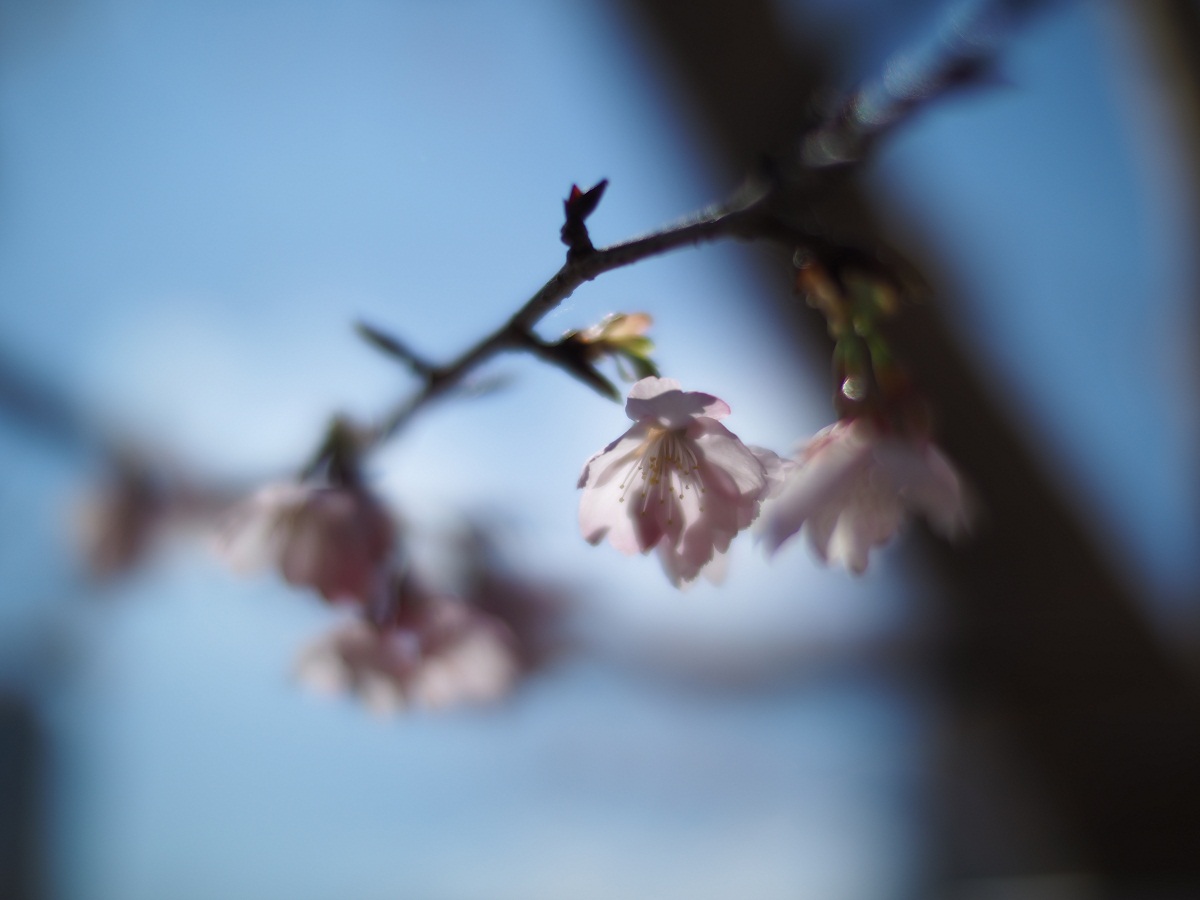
x,y
764,207
741,217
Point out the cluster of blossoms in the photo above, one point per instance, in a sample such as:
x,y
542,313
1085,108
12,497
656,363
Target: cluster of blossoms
x,y
337,540
678,482
405,647
441,654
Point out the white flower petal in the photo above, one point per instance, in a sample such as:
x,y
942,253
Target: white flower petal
x,y
610,480
663,401
651,387
849,546
616,458
826,470
777,469
729,458
928,483
819,528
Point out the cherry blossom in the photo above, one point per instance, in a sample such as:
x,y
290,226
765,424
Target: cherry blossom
x,y
852,488
337,540
447,654
678,481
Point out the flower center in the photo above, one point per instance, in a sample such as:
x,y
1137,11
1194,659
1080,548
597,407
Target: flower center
x,y
664,467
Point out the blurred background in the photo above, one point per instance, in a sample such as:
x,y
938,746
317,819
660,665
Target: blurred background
x,y
197,200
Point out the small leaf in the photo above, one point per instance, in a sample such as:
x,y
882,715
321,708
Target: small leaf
x,y
644,367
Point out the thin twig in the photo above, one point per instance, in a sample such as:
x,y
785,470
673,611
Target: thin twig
x,y
394,347
740,220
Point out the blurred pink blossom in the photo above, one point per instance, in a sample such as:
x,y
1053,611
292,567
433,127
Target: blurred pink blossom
x,y
677,482
445,654
118,520
536,612
337,540
852,488
126,514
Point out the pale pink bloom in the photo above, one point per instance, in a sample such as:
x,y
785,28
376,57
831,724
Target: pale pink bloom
x,y
337,540
854,485
678,481
535,612
446,655
117,521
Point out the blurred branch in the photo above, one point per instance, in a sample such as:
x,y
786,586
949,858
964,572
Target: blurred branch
x,y
1173,29
1045,632
960,55
35,405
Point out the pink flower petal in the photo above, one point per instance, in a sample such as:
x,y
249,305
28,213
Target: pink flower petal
x,y
448,655
852,488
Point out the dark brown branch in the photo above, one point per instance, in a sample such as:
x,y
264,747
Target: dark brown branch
x,y
740,218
